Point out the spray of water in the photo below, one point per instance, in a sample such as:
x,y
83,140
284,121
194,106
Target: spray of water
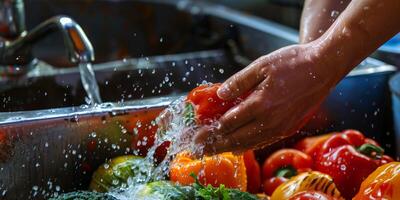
x,y
172,127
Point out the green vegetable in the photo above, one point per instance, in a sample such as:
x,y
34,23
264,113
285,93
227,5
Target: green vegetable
x,y
170,191
221,192
167,190
83,195
164,190
115,173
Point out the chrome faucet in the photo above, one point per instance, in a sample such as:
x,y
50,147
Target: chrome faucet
x,y
16,43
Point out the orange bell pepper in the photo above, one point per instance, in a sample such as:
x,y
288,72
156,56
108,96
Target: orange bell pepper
x,y
225,168
383,183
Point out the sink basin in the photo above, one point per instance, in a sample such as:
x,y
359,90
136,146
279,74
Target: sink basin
x,y
204,43
147,54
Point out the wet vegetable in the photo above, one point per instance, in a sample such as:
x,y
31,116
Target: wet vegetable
x,y
83,195
207,105
115,173
143,130
169,191
306,181
224,168
253,172
163,190
383,183
349,158
282,165
312,145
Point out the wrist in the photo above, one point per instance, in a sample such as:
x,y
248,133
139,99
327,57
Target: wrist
x,y
332,57
324,62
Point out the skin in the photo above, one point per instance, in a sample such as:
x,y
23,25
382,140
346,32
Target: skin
x,y
318,16
290,83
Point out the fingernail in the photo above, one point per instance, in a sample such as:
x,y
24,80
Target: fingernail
x,y
224,92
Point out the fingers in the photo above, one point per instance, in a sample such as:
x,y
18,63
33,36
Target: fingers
x,y
241,114
238,116
242,81
239,140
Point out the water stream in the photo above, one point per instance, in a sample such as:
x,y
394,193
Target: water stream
x,y
89,83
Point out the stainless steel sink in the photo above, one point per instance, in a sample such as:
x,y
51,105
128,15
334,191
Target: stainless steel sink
x,y
131,42
50,147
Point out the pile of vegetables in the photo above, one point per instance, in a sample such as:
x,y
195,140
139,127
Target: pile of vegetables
x,y
341,160
340,165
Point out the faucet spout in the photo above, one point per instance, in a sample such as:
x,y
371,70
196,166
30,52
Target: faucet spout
x,y
18,52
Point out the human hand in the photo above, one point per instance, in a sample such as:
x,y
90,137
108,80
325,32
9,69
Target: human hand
x,y
287,85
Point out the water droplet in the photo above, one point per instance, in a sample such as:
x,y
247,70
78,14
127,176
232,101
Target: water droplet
x,y
335,13
93,134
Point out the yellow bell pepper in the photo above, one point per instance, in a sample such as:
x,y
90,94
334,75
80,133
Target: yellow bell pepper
x,y
383,183
307,181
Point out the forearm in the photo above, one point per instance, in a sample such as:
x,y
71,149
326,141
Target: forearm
x,y
318,16
362,27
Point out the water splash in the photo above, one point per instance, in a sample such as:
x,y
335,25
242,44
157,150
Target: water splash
x,y
89,83
172,127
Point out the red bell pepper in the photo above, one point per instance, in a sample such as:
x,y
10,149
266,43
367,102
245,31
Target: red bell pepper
x,y
282,165
312,145
253,172
208,106
349,158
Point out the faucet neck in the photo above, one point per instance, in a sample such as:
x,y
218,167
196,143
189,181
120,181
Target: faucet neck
x,y
12,18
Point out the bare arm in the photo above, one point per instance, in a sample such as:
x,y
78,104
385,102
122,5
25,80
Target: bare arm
x,y
361,29
318,16
289,83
